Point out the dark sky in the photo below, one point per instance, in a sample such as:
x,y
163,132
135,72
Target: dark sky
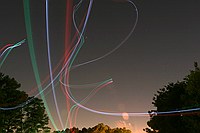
x,y
162,49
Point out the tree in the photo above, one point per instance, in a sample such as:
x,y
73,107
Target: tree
x,y
10,97
100,128
173,97
30,117
35,117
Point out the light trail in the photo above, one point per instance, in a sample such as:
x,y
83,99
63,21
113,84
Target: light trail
x,y
86,99
6,46
119,45
50,66
10,47
8,50
33,58
75,52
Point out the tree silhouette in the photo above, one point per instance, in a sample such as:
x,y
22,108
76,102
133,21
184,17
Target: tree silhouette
x,y
100,128
35,117
26,119
173,97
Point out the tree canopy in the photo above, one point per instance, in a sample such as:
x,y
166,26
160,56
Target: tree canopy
x,y
29,118
100,128
175,97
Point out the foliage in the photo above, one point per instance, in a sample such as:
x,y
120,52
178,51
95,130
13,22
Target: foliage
x,y
174,97
26,119
35,118
100,128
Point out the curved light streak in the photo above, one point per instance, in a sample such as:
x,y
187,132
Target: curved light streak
x,y
8,50
13,46
92,93
119,45
33,58
8,45
76,49
50,66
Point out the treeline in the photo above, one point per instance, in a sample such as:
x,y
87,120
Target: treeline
x,y
100,128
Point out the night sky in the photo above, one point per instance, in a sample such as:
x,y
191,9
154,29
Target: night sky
x,y
162,49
